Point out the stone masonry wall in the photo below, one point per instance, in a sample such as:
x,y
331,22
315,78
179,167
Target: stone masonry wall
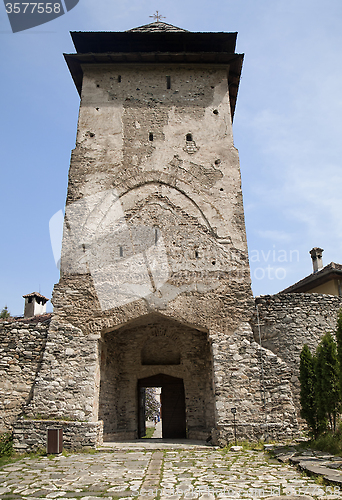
x,y
288,321
68,382
30,435
245,376
64,392
21,346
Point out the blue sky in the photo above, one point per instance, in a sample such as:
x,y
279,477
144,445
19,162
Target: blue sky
x,y
287,127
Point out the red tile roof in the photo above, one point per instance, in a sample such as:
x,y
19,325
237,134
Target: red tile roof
x,y
328,273
35,294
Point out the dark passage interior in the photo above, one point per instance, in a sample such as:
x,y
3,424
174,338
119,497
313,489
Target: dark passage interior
x,y
172,405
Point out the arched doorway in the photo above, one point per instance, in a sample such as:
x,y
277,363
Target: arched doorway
x,y
163,353
172,405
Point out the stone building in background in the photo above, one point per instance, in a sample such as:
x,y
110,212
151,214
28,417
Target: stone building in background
x,y
155,284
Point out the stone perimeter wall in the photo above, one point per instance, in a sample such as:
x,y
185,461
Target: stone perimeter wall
x,y
29,435
67,384
21,350
33,357
288,321
238,375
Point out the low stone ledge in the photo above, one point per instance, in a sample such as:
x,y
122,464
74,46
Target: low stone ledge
x,y
30,435
313,463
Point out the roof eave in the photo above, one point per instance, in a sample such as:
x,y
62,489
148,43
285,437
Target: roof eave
x,y
313,281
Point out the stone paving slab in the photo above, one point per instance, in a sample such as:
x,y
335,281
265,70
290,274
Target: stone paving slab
x,y
315,462
194,473
156,444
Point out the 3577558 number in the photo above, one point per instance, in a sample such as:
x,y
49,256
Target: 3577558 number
x,y
31,8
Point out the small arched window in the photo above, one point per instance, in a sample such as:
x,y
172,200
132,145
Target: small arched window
x,y
189,137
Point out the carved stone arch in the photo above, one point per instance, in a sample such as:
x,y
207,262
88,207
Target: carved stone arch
x,y
176,196
165,206
182,194
135,318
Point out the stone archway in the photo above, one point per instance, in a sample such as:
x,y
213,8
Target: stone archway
x,y
155,351
173,409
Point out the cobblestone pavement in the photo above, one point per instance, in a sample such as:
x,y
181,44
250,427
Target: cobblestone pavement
x,y
145,474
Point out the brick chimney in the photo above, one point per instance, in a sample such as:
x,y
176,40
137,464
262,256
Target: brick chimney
x,y
317,261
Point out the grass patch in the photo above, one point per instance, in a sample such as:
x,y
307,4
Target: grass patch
x,y
6,449
329,442
8,456
6,445
86,450
149,432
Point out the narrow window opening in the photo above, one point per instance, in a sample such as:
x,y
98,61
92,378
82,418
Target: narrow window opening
x,y
121,252
119,78
156,235
168,82
215,112
196,254
189,137
150,136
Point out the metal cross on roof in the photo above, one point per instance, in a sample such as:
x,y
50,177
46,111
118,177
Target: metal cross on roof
x,y
158,17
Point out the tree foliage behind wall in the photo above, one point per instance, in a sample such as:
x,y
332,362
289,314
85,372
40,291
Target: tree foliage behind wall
x,y
327,380
321,382
5,313
307,377
339,348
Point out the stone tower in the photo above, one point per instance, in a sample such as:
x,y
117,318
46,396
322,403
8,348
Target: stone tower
x,y
155,285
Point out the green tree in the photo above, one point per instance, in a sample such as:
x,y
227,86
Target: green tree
x,y
327,380
152,405
4,313
307,377
339,348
